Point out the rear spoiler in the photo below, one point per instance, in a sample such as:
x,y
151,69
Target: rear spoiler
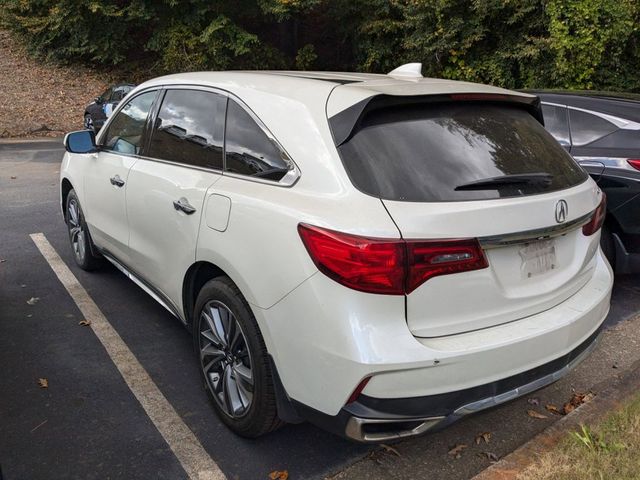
x,y
344,124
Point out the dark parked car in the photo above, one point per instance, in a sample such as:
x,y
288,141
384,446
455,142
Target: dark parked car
x,y
97,112
602,132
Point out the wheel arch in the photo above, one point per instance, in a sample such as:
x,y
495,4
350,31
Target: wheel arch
x,y
65,188
197,275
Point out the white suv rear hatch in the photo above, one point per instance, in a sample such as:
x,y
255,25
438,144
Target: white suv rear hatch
x,y
484,170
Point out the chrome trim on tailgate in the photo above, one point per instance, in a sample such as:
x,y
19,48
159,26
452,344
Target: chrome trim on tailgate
x,y
495,241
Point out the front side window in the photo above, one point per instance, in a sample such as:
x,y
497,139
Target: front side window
x,y
125,132
189,128
249,150
587,128
556,121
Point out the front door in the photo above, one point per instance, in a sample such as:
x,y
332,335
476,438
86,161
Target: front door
x,y
106,180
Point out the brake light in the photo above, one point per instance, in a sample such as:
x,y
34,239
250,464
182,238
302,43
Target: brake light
x,y
597,219
635,163
391,267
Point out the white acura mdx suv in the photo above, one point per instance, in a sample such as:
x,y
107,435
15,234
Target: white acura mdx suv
x,y
377,254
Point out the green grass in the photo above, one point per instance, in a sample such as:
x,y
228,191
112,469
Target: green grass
x,y
609,450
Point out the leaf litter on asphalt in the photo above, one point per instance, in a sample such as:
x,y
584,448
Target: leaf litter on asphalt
x,y
279,475
534,414
457,450
43,383
33,300
390,449
84,323
486,436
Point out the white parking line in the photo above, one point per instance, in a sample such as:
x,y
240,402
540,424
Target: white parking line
x,y
184,444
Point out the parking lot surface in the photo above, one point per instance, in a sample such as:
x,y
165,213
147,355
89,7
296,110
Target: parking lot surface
x,y
89,424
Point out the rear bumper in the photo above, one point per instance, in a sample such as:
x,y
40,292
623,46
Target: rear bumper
x,y
418,384
427,413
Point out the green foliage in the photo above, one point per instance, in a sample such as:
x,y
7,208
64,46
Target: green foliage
x,y
586,44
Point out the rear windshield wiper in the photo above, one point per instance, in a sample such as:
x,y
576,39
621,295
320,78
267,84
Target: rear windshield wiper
x,y
494,183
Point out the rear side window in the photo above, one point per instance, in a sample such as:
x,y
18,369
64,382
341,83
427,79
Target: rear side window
x,y
189,128
125,133
556,121
424,153
249,150
587,128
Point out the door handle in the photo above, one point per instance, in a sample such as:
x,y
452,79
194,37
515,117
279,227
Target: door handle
x,y
116,181
183,205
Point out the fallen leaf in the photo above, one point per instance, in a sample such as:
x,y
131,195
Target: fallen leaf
x,y
84,323
390,449
457,450
492,457
33,300
568,408
43,382
534,414
279,475
13,177
553,409
486,436
2,260
23,286
533,401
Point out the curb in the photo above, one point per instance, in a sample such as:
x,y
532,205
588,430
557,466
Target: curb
x,y
612,398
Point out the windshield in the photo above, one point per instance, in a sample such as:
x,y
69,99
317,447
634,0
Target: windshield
x,y
422,153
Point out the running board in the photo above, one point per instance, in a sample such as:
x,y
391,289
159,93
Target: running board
x,y
153,293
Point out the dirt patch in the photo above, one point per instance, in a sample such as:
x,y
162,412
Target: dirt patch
x,y
42,99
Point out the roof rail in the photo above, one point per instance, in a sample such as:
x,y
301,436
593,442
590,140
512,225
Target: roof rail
x,y
408,70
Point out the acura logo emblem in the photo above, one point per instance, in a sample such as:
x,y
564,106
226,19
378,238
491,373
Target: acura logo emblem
x,y
562,210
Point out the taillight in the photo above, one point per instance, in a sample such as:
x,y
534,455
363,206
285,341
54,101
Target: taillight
x,y
432,258
391,267
597,219
635,163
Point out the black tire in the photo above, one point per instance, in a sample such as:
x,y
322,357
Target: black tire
x,y
608,246
260,416
82,246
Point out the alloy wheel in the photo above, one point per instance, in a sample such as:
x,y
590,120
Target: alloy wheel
x,y
225,359
76,231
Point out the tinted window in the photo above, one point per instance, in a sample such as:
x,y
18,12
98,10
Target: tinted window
x,y
424,152
125,132
587,128
189,128
556,122
249,150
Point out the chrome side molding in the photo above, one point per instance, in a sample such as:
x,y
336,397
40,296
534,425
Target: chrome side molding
x,y
157,296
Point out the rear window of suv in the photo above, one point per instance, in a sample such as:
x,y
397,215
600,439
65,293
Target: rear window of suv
x,y
422,153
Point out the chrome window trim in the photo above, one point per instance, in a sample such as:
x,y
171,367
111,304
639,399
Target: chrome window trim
x,y
496,241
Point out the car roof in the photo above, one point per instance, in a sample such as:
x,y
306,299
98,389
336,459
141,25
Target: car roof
x,y
622,105
345,88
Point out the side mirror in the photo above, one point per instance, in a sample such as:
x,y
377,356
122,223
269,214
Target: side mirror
x,y
98,100
82,141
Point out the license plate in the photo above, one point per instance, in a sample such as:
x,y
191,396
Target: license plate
x,y
538,258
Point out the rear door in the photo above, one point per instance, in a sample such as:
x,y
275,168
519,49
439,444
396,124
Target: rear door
x,y
106,178
486,171
166,189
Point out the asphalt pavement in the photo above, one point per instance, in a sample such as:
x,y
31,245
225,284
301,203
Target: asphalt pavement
x,y
87,424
